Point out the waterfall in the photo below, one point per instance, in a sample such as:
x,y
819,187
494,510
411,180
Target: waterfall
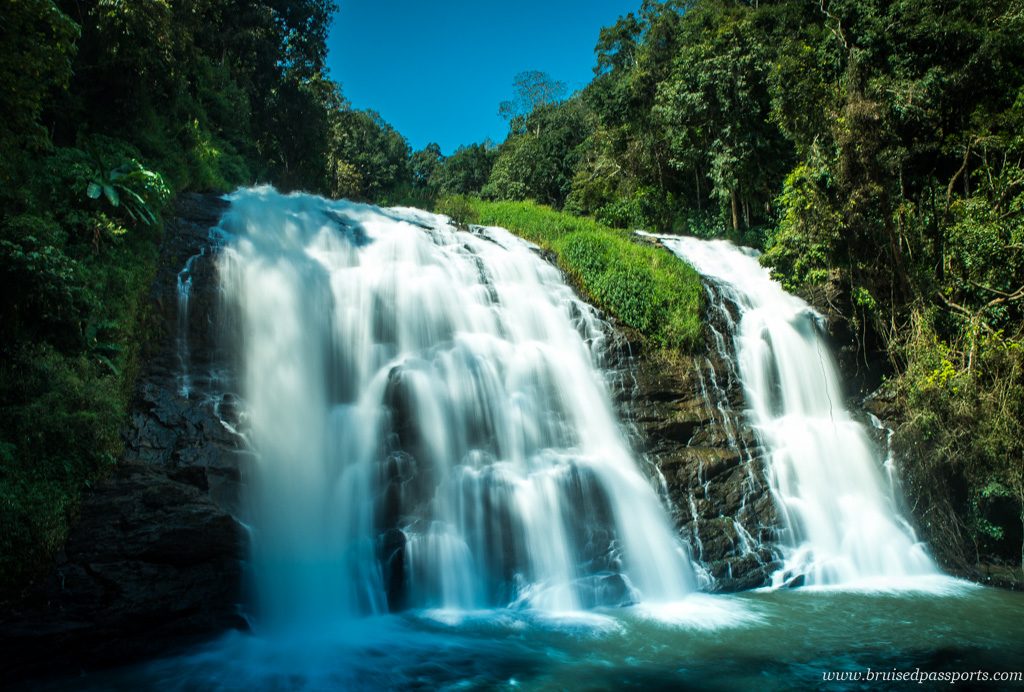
x,y
829,479
430,419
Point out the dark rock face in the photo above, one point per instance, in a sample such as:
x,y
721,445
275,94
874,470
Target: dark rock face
x,y
688,415
154,560
152,563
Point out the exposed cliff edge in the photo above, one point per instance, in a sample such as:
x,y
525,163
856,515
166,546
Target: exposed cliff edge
x,y
688,411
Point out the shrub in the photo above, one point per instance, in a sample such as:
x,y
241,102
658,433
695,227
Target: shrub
x,y
962,441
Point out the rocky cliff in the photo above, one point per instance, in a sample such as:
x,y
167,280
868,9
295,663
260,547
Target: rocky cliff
x,y
154,560
688,414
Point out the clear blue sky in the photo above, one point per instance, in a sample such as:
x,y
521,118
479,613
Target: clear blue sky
x,y
437,70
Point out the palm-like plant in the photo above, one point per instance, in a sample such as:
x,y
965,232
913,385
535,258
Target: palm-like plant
x,y
130,187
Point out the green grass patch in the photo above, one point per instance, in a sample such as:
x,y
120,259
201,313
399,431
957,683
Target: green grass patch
x,y
643,286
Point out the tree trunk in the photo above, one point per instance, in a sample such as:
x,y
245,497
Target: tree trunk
x,y
735,210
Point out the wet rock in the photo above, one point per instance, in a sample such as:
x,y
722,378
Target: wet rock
x,y
687,414
795,582
750,571
391,551
608,590
402,487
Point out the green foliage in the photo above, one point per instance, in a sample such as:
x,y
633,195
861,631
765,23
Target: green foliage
x,y
647,207
643,286
538,161
801,249
47,296
368,158
964,439
464,172
460,208
714,107
61,430
71,336
515,175
37,43
209,93
533,89
130,187
210,163
424,163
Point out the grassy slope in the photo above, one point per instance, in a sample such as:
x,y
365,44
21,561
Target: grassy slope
x,y
644,287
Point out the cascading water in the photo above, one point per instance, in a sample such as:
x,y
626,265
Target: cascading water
x,y
430,426
184,297
841,514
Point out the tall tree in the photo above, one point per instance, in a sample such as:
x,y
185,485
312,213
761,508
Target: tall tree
x,y
533,89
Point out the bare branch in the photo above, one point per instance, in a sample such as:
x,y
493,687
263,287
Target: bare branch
x,y
838,30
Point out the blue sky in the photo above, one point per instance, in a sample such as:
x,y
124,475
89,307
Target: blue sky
x,y
437,70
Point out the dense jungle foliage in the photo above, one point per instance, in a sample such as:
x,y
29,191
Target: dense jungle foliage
x,y
874,149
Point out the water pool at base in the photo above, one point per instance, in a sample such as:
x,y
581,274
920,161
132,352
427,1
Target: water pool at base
x,y
766,640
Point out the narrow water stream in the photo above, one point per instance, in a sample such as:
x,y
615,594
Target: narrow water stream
x,y
844,525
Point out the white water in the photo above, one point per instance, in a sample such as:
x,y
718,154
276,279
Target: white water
x,y
431,426
184,352
829,479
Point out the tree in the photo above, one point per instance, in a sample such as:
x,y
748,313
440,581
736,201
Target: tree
x,y
715,108
424,165
466,171
533,89
540,157
367,157
37,44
